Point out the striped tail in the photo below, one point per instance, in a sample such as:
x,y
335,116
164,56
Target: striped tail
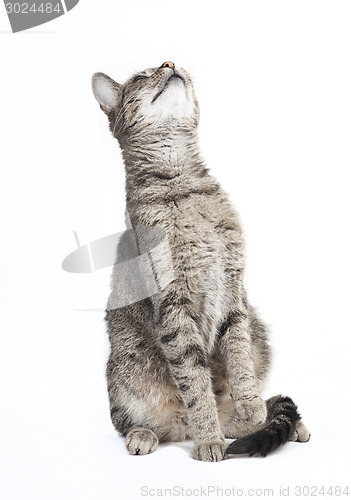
x,y
282,416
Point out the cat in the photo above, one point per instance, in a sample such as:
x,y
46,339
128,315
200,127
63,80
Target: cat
x,y
188,362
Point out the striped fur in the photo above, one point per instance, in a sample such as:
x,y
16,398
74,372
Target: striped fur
x,y
188,362
283,417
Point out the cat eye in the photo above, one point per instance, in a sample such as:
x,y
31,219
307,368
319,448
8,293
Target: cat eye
x,y
139,77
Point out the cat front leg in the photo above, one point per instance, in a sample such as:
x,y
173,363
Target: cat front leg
x,y
235,342
184,351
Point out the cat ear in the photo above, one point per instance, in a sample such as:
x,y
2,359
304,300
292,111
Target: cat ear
x,y
106,91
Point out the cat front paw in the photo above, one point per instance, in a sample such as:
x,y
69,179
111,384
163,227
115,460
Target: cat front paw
x,y
251,408
140,441
212,451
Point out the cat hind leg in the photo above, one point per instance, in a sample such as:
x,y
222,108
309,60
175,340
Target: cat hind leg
x,y
301,434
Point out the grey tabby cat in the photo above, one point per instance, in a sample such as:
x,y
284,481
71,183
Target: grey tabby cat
x,y
188,362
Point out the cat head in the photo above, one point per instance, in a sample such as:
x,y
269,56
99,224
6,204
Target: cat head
x,y
150,100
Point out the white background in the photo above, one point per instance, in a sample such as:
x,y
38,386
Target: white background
x,y
273,79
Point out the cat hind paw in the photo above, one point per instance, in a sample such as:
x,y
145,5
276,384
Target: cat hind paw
x,y
301,434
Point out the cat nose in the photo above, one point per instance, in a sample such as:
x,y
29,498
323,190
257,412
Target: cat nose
x,y
167,64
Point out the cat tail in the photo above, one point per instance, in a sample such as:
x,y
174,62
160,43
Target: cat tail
x,y
282,416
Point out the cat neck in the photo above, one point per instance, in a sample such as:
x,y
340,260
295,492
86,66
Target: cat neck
x,y
167,151
161,167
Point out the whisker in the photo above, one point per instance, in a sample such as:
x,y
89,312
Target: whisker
x,y
196,65
121,111
129,103
125,107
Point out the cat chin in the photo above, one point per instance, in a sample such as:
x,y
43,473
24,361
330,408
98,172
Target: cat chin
x,y
172,103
